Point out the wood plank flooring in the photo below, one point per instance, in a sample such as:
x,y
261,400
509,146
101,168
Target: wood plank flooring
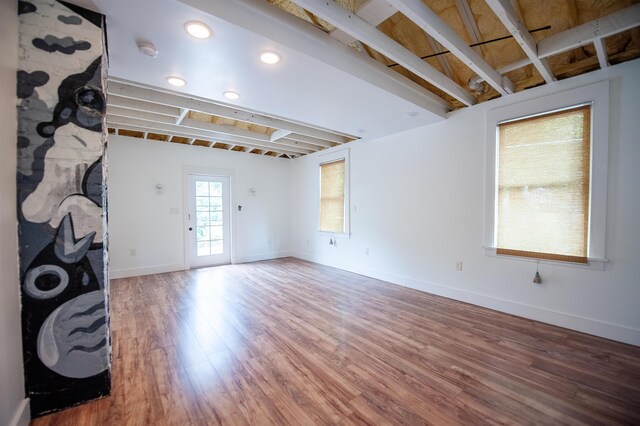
x,y
292,342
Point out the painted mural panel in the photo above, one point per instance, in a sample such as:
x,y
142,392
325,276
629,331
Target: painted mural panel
x,y
61,200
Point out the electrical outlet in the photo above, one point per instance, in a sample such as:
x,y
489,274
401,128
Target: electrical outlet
x,y
459,265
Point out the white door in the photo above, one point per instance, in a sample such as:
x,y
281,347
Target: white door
x,y
208,227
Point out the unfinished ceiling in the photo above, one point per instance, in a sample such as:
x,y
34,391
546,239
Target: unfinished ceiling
x,y
139,111
351,68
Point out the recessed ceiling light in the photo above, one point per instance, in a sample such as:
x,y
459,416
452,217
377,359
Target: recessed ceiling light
x,y
176,81
198,29
231,95
270,58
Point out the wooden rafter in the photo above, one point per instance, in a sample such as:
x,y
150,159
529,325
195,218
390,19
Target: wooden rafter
x,y
370,35
505,12
609,25
430,22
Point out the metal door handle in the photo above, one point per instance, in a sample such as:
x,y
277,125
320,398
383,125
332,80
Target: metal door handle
x,y
190,229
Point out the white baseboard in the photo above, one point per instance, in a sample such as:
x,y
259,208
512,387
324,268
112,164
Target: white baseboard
x,y
148,270
22,415
599,328
263,256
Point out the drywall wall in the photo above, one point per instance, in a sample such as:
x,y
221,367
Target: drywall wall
x,y
417,206
60,205
13,405
147,228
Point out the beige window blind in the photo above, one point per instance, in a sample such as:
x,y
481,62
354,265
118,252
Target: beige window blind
x,y
543,186
332,196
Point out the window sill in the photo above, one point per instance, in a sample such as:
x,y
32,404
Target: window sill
x,y
595,264
344,236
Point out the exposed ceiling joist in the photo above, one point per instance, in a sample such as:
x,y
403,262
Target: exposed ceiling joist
x,y
444,63
507,14
119,101
431,23
601,51
279,134
142,115
619,21
268,21
469,23
182,115
373,12
308,139
224,129
124,122
149,95
370,35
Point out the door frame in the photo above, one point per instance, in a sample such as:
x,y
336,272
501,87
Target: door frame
x,y
206,171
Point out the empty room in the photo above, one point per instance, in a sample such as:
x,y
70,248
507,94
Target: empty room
x,y
314,212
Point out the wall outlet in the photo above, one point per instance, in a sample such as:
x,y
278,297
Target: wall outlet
x,y
366,251
459,265
132,252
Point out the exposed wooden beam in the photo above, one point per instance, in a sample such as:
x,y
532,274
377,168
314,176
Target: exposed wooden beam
x,y
126,89
182,115
442,60
122,102
224,129
601,50
373,12
267,20
142,115
279,134
470,24
619,21
507,15
308,139
360,29
124,122
430,22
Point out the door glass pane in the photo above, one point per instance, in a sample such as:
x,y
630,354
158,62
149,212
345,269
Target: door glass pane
x,y
202,233
215,189
216,247
202,189
204,248
202,219
216,233
215,218
202,203
215,203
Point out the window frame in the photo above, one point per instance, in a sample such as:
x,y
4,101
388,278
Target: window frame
x,y
598,96
341,154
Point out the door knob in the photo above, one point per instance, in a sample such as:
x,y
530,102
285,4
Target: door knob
x,y
190,229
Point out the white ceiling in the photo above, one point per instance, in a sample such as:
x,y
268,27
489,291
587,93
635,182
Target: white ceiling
x,y
300,87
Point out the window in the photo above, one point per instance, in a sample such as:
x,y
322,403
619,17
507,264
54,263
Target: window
x,y
332,196
546,189
543,185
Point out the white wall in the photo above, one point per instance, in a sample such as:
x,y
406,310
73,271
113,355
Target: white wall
x,y
417,202
141,219
13,408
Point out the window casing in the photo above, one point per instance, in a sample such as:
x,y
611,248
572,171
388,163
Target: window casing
x,y
543,185
333,187
597,96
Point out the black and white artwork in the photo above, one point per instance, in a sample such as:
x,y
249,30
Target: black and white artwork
x,y
61,205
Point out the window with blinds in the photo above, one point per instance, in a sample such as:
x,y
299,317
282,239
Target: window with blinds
x,y
543,185
332,205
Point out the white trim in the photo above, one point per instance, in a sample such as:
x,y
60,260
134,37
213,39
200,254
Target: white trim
x,y
339,154
594,263
22,415
115,274
592,326
195,170
598,95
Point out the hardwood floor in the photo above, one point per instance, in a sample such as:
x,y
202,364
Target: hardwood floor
x,y
291,342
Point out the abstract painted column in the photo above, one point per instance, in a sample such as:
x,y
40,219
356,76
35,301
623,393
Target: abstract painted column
x,y
62,205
